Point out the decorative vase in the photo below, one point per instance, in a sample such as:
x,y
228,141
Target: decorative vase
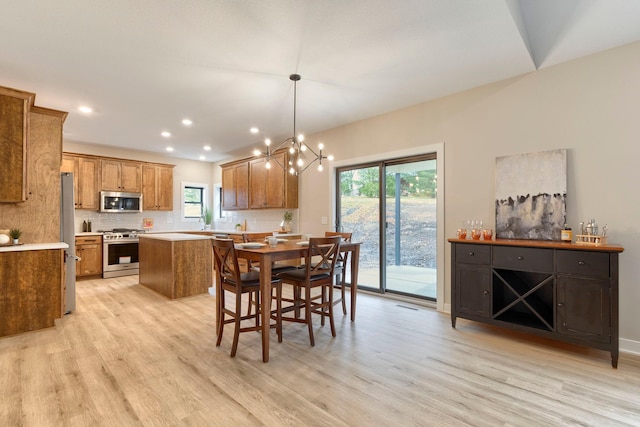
x,y
16,241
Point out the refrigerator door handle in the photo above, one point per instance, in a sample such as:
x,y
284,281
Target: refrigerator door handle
x,y
73,257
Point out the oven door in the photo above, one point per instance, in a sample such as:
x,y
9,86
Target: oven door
x,y
120,258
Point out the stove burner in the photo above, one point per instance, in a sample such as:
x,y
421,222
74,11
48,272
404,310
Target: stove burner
x,y
121,233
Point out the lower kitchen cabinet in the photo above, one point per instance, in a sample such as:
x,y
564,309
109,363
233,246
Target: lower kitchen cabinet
x,y
558,290
89,250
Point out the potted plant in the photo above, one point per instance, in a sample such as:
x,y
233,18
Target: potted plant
x,y
285,225
15,234
208,215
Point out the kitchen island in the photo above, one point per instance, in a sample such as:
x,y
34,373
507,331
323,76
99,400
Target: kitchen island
x,y
176,265
31,286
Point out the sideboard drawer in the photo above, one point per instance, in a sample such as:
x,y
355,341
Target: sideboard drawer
x,y
473,254
583,263
517,258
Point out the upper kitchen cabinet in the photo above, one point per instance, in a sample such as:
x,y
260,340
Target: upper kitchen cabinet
x,y
14,120
85,179
235,186
121,175
157,187
272,187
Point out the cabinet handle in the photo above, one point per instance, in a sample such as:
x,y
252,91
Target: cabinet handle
x,y
581,263
471,254
520,257
486,292
560,304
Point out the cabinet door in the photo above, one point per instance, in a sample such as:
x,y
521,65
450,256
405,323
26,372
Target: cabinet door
x,y
85,180
157,188
164,190
131,177
87,188
583,308
90,254
110,175
14,107
267,186
149,188
235,186
472,291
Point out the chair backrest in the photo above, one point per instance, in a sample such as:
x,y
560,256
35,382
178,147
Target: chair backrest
x,y
345,236
325,250
224,254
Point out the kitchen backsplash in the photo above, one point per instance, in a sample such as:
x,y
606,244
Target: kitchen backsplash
x,y
259,220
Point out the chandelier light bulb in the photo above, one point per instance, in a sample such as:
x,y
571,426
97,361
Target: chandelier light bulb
x,y
292,171
292,150
321,146
300,137
330,157
267,142
303,147
257,152
300,162
320,168
268,165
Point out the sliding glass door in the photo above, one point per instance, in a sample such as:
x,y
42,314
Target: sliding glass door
x,y
399,227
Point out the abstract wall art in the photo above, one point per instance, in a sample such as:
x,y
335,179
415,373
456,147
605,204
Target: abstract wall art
x,y
531,193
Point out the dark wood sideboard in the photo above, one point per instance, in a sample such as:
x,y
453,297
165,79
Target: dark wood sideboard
x,y
553,289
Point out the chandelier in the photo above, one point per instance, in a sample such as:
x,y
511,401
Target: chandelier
x,y
301,156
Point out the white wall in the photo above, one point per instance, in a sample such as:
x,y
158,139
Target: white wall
x,y
588,106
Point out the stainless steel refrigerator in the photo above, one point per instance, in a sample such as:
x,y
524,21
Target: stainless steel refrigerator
x,y
68,235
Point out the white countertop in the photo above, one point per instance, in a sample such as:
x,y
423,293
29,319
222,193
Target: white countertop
x,y
173,237
34,247
89,233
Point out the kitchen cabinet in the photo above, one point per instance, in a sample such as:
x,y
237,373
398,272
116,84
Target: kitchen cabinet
x,y
235,186
14,110
89,249
272,187
564,291
31,289
157,187
121,175
86,172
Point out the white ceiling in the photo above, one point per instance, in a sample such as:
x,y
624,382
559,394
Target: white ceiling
x,y
144,65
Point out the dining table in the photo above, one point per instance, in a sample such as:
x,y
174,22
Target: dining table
x,y
286,250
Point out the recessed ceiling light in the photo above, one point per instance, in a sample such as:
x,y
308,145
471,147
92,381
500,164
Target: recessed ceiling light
x,y
202,157
165,134
207,148
170,149
254,130
187,122
85,109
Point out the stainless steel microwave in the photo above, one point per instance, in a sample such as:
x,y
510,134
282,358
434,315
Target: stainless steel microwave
x,y
120,202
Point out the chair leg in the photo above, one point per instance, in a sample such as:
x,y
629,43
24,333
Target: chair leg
x,y
330,305
307,314
250,296
323,301
279,311
343,286
236,333
221,320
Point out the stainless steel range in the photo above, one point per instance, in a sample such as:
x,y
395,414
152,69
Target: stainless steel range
x,y
120,252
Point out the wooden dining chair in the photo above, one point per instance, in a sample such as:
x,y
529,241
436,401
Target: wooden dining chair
x,y
232,280
341,269
255,266
317,274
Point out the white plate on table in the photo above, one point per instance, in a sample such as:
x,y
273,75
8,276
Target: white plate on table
x,y
252,245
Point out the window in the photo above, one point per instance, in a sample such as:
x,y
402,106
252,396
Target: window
x,y
194,200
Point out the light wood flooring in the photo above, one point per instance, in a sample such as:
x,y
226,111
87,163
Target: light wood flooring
x,y
131,357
